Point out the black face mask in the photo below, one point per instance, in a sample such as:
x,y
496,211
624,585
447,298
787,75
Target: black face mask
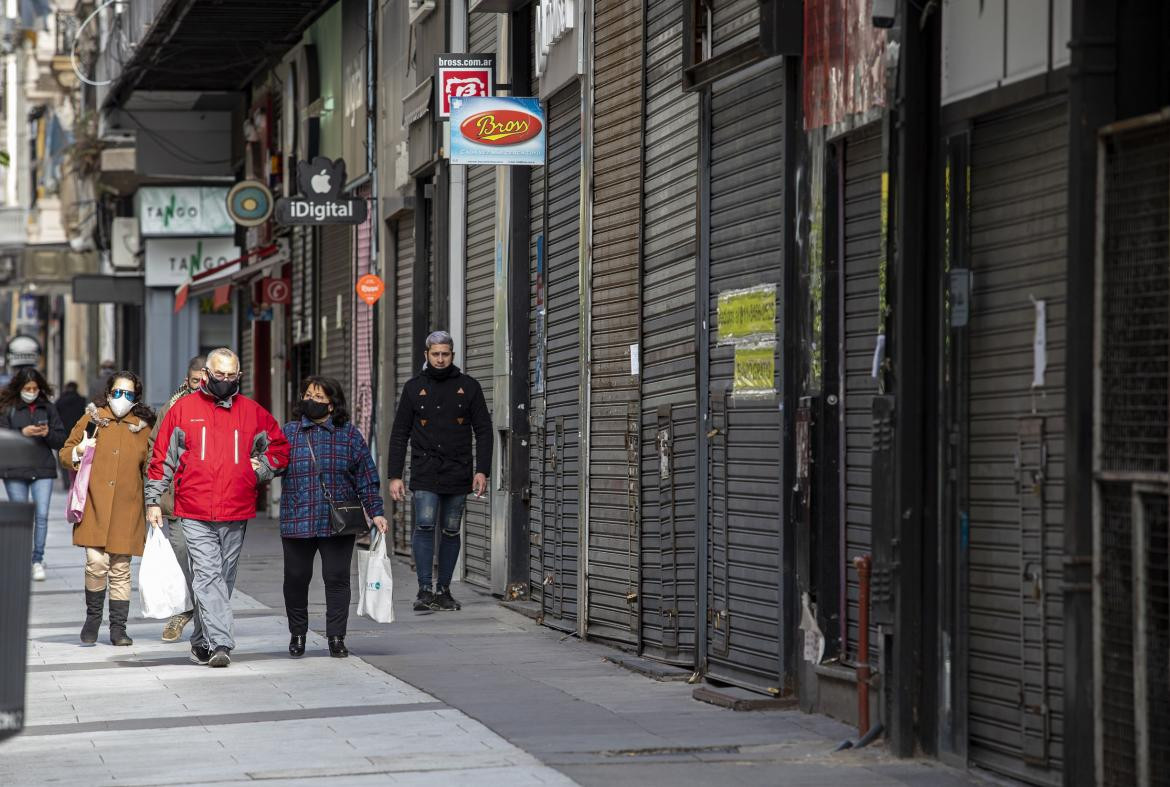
x,y
314,410
222,389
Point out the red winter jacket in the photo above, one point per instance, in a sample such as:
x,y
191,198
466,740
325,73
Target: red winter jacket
x,y
205,448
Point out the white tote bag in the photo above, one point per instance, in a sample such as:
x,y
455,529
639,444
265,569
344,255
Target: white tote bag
x,y
376,594
160,579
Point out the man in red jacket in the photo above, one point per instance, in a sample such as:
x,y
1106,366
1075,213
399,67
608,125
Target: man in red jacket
x,y
214,448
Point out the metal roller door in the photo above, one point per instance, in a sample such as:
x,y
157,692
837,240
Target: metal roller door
x,y
860,321
480,317
404,365
613,608
361,398
733,24
302,285
559,470
336,301
746,186
537,315
247,351
668,407
1015,455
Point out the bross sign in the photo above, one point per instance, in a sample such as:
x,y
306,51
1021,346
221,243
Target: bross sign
x,y
501,127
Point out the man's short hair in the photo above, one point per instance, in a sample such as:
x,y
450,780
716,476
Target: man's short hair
x,y
196,364
223,353
440,337
71,386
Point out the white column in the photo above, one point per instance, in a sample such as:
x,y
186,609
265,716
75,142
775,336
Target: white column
x,y
12,119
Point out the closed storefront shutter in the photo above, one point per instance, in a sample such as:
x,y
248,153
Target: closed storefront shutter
x,y
613,384
480,317
733,24
336,322
746,182
361,398
537,323
559,466
859,307
670,197
404,365
247,351
1015,455
302,285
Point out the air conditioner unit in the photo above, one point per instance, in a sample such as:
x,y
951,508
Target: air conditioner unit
x,y
125,244
420,10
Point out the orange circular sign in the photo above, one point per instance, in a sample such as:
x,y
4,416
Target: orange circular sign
x,y
370,288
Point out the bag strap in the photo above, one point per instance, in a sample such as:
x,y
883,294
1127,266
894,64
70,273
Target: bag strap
x,y
320,475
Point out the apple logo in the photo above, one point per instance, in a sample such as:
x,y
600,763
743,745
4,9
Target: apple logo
x,y
320,182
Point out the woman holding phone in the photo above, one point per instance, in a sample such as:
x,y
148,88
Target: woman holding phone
x,y
25,408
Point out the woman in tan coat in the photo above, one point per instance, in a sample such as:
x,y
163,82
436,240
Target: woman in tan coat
x,y
113,528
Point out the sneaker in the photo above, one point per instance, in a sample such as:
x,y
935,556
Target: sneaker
x,y
424,603
38,572
174,627
222,657
444,601
200,655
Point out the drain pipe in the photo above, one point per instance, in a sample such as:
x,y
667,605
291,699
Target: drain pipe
x,y
863,563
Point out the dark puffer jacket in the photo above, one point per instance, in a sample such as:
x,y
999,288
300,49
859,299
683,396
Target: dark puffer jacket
x,y
40,412
438,414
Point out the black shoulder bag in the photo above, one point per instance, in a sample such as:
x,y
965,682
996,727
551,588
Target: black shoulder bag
x,y
346,517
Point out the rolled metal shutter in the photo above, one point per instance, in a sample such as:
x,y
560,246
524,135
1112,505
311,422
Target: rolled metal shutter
x,y
613,608
478,358
668,408
536,356
561,449
746,248
302,285
1018,208
361,398
336,321
404,365
1132,585
862,233
733,23
247,351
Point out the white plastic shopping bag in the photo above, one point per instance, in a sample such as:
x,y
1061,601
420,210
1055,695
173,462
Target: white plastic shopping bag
x,y
160,579
376,594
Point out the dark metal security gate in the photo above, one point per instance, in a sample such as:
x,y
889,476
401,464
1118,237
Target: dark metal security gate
x,y
1014,382
336,299
669,399
1131,592
612,582
361,398
303,300
480,316
404,361
861,236
556,400
745,434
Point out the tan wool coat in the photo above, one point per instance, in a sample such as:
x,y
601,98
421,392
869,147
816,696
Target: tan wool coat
x,y
114,519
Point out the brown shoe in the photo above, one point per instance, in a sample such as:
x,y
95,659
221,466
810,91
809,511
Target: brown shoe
x,y
174,627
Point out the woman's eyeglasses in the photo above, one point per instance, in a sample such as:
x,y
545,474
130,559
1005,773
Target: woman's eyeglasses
x,y
122,393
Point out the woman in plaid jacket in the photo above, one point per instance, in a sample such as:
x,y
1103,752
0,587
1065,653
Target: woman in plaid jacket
x,y
343,463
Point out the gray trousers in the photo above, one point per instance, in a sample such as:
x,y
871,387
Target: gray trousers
x,y
213,549
179,543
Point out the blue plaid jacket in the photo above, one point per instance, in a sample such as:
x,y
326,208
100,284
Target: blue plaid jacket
x,y
344,459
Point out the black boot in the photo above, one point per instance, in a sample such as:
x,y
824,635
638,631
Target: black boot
x,y
119,611
95,603
296,646
337,647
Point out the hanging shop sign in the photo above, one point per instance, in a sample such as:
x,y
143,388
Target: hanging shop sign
x,y
320,200
249,203
183,211
747,314
276,291
500,130
370,288
754,372
463,75
173,261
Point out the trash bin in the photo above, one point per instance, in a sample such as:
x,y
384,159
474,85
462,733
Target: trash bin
x,y
16,531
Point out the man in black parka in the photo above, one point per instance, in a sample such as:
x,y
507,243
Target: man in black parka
x,y
439,412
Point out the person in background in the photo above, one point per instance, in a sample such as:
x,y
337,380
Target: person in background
x,y
173,630
216,448
439,412
25,408
71,407
113,528
324,448
98,384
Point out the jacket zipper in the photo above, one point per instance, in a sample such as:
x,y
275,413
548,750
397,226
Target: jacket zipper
x,y
203,445
237,445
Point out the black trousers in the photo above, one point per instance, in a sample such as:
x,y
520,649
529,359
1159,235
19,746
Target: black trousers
x,y
336,554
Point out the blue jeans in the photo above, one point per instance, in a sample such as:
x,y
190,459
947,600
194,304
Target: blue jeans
x,y
447,510
42,492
